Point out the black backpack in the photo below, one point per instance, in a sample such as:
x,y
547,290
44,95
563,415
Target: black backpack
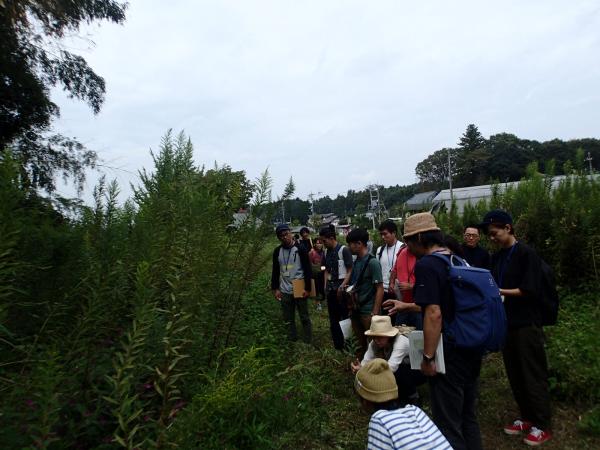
x,y
548,295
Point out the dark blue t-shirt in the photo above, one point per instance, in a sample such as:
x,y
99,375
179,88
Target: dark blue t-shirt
x,y
432,286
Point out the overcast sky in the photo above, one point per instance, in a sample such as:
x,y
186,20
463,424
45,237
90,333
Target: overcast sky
x,y
337,94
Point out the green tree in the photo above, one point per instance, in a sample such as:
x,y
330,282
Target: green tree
x,y
471,139
433,170
32,61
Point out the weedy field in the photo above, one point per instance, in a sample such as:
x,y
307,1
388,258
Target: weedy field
x,y
151,325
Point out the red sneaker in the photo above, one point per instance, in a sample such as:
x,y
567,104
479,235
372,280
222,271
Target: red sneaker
x,y
537,437
518,427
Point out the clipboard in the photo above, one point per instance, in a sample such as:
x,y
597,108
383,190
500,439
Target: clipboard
x,y
298,288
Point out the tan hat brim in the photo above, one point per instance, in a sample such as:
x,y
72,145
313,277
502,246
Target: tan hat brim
x,y
393,332
412,233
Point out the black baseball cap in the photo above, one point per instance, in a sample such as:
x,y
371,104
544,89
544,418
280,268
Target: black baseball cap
x,y
281,228
496,216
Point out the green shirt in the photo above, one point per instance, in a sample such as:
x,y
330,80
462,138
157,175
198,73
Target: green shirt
x,y
367,287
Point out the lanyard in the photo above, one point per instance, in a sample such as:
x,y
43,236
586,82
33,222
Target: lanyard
x,y
504,265
286,261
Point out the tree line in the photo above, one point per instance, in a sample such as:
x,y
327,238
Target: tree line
x,y
502,157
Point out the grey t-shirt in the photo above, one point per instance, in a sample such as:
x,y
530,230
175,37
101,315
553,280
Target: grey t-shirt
x,y
290,268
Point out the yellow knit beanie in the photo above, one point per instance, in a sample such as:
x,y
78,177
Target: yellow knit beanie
x,y
375,382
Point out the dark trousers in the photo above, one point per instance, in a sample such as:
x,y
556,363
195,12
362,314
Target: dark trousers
x,y
407,381
527,371
319,278
454,399
288,310
337,311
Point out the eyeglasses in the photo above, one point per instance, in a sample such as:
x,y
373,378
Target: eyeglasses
x,y
470,236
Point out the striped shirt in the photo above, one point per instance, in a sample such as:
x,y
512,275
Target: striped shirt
x,y
404,428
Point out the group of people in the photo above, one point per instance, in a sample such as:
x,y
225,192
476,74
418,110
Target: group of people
x,y
407,285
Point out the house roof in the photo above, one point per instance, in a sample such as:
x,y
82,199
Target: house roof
x,y
420,200
474,194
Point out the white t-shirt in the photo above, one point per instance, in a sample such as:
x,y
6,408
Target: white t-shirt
x,y
387,260
399,351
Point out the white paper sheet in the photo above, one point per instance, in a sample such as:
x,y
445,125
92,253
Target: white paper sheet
x,y
415,341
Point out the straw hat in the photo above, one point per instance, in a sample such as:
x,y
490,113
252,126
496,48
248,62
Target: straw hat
x,y
375,382
418,223
381,326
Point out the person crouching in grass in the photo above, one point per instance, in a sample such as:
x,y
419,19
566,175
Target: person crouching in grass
x,y
392,427
389,344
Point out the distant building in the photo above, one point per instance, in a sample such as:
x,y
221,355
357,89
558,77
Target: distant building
x,y
474,194
420,202
240,217
322,220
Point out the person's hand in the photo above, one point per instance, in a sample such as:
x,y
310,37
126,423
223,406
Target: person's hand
x,y
391,289
305,294
394,306
277,294
428,368
355,366
404,286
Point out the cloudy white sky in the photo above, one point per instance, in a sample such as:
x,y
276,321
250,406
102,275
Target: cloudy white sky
x,y
337,94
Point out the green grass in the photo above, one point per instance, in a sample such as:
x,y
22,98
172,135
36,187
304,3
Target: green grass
x,y
339,423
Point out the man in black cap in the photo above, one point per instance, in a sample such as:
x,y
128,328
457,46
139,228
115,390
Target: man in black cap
x,y
516,269
291,265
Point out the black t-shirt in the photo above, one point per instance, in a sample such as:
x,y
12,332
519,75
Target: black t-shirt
x,y
519,269
432,286
477,257
306,244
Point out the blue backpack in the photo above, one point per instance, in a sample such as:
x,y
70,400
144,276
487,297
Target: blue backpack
x,y
479,317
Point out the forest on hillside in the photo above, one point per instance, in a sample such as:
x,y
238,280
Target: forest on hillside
x,y
475,160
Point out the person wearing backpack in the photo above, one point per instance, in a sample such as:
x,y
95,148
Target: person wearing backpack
x,y
338,270
517,270
366,287
453,394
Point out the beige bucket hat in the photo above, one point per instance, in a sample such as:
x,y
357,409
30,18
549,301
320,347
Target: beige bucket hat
x,y
381,326
418,223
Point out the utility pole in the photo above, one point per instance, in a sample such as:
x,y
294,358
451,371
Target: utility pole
x,y
311,198
589,160
450,175
377,208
